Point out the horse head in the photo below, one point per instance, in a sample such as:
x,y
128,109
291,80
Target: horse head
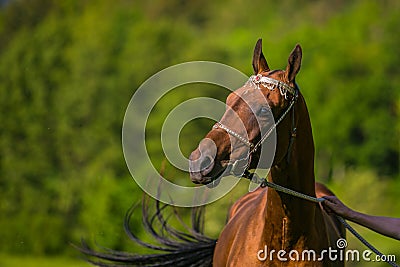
x,y
252,113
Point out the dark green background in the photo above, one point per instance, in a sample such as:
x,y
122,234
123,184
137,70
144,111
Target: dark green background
x,y
69,68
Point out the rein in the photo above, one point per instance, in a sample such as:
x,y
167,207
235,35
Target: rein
x,y
264,183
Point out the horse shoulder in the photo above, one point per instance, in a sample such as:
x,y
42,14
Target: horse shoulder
x,y
244,202
235,245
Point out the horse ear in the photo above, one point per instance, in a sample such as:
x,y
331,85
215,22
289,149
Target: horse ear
x,y
259,62
294,63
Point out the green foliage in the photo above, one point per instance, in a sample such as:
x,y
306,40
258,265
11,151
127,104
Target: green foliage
x,y
69,68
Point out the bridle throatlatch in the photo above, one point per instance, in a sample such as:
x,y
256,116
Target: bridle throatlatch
x,y
240,168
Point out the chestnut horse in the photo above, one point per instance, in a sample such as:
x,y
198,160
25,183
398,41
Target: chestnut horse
x,y
267,219
265,227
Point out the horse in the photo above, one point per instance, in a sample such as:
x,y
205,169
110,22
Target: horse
x,y
264,221
265,217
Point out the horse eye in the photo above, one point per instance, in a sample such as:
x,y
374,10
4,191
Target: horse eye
x,y
264,111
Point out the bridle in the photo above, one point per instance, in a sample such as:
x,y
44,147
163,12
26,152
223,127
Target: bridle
x,y
240,167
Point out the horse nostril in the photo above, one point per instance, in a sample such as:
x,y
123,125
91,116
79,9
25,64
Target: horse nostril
x,y
202,160
206,163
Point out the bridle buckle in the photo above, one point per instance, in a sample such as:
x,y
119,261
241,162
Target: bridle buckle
x,y
239,167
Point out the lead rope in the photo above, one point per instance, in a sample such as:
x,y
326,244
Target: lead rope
x,y
288,191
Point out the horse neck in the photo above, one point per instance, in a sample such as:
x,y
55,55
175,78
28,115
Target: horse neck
x,y
295,215
296,168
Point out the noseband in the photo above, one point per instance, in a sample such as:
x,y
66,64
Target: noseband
x,y
240,167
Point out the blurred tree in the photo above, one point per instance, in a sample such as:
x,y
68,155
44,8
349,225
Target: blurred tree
x,y
69,68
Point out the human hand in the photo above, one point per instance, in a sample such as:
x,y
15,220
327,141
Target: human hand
x,y
332,205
